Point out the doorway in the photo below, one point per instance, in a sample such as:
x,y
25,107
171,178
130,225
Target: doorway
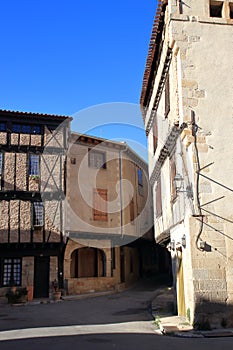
x,y
41,277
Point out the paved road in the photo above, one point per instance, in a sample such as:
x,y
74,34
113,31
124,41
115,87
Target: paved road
x,y
118,321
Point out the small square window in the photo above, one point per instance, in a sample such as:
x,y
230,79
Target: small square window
x,y
96,159
38,214
73,161
216,8
34,164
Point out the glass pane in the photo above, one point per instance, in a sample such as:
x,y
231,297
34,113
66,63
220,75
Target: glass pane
x,y
26,129
36,129
12,272
38,214
34,164
2,127
140,177
16,128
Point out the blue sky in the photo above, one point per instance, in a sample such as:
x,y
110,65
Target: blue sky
x,y
61,57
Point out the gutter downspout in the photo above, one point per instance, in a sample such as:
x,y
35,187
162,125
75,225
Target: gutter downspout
x,y
121,194
121,198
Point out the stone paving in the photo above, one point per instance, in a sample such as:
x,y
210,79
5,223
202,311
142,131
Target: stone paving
x,y
146,308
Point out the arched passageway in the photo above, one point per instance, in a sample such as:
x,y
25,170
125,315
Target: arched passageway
x,y
88,262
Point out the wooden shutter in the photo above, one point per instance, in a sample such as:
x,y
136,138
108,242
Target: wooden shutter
x,y
158,198
172,176
100,204
131,207
167,97
155,136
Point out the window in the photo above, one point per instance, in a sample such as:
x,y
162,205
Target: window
x,y
100,205
155,136
231,10
167,97
12,269
38,214
73,161
158,198
96,159
2,126
34,164
140,182
216,8
26,129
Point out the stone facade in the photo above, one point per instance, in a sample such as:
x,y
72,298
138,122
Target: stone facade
x,y
88,216
123,217
187,108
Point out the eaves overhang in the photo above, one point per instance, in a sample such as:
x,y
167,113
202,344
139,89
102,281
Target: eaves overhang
x,y
153,48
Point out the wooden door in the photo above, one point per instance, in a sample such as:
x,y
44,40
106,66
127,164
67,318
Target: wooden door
x,y
41,277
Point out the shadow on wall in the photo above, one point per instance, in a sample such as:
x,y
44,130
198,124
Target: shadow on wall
x,y
209,315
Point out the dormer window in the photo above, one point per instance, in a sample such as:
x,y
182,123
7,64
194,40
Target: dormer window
x,y
216,8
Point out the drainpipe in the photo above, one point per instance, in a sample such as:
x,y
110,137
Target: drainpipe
x,y
121,199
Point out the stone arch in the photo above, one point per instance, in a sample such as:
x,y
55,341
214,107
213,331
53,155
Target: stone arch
x,y
88,262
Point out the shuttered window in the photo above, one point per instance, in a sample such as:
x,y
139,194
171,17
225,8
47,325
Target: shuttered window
x,y
100,204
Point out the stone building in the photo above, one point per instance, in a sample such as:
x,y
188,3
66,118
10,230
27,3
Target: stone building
x,y
73,208
108,216
32,169
187,106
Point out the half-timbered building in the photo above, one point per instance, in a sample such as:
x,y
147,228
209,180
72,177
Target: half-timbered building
x,y
32,188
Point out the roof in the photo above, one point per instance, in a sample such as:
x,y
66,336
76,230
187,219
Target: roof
x,y
9,113
122,145
152,50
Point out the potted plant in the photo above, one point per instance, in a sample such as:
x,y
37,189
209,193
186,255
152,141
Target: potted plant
x,y
36,178
17,295
56,292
